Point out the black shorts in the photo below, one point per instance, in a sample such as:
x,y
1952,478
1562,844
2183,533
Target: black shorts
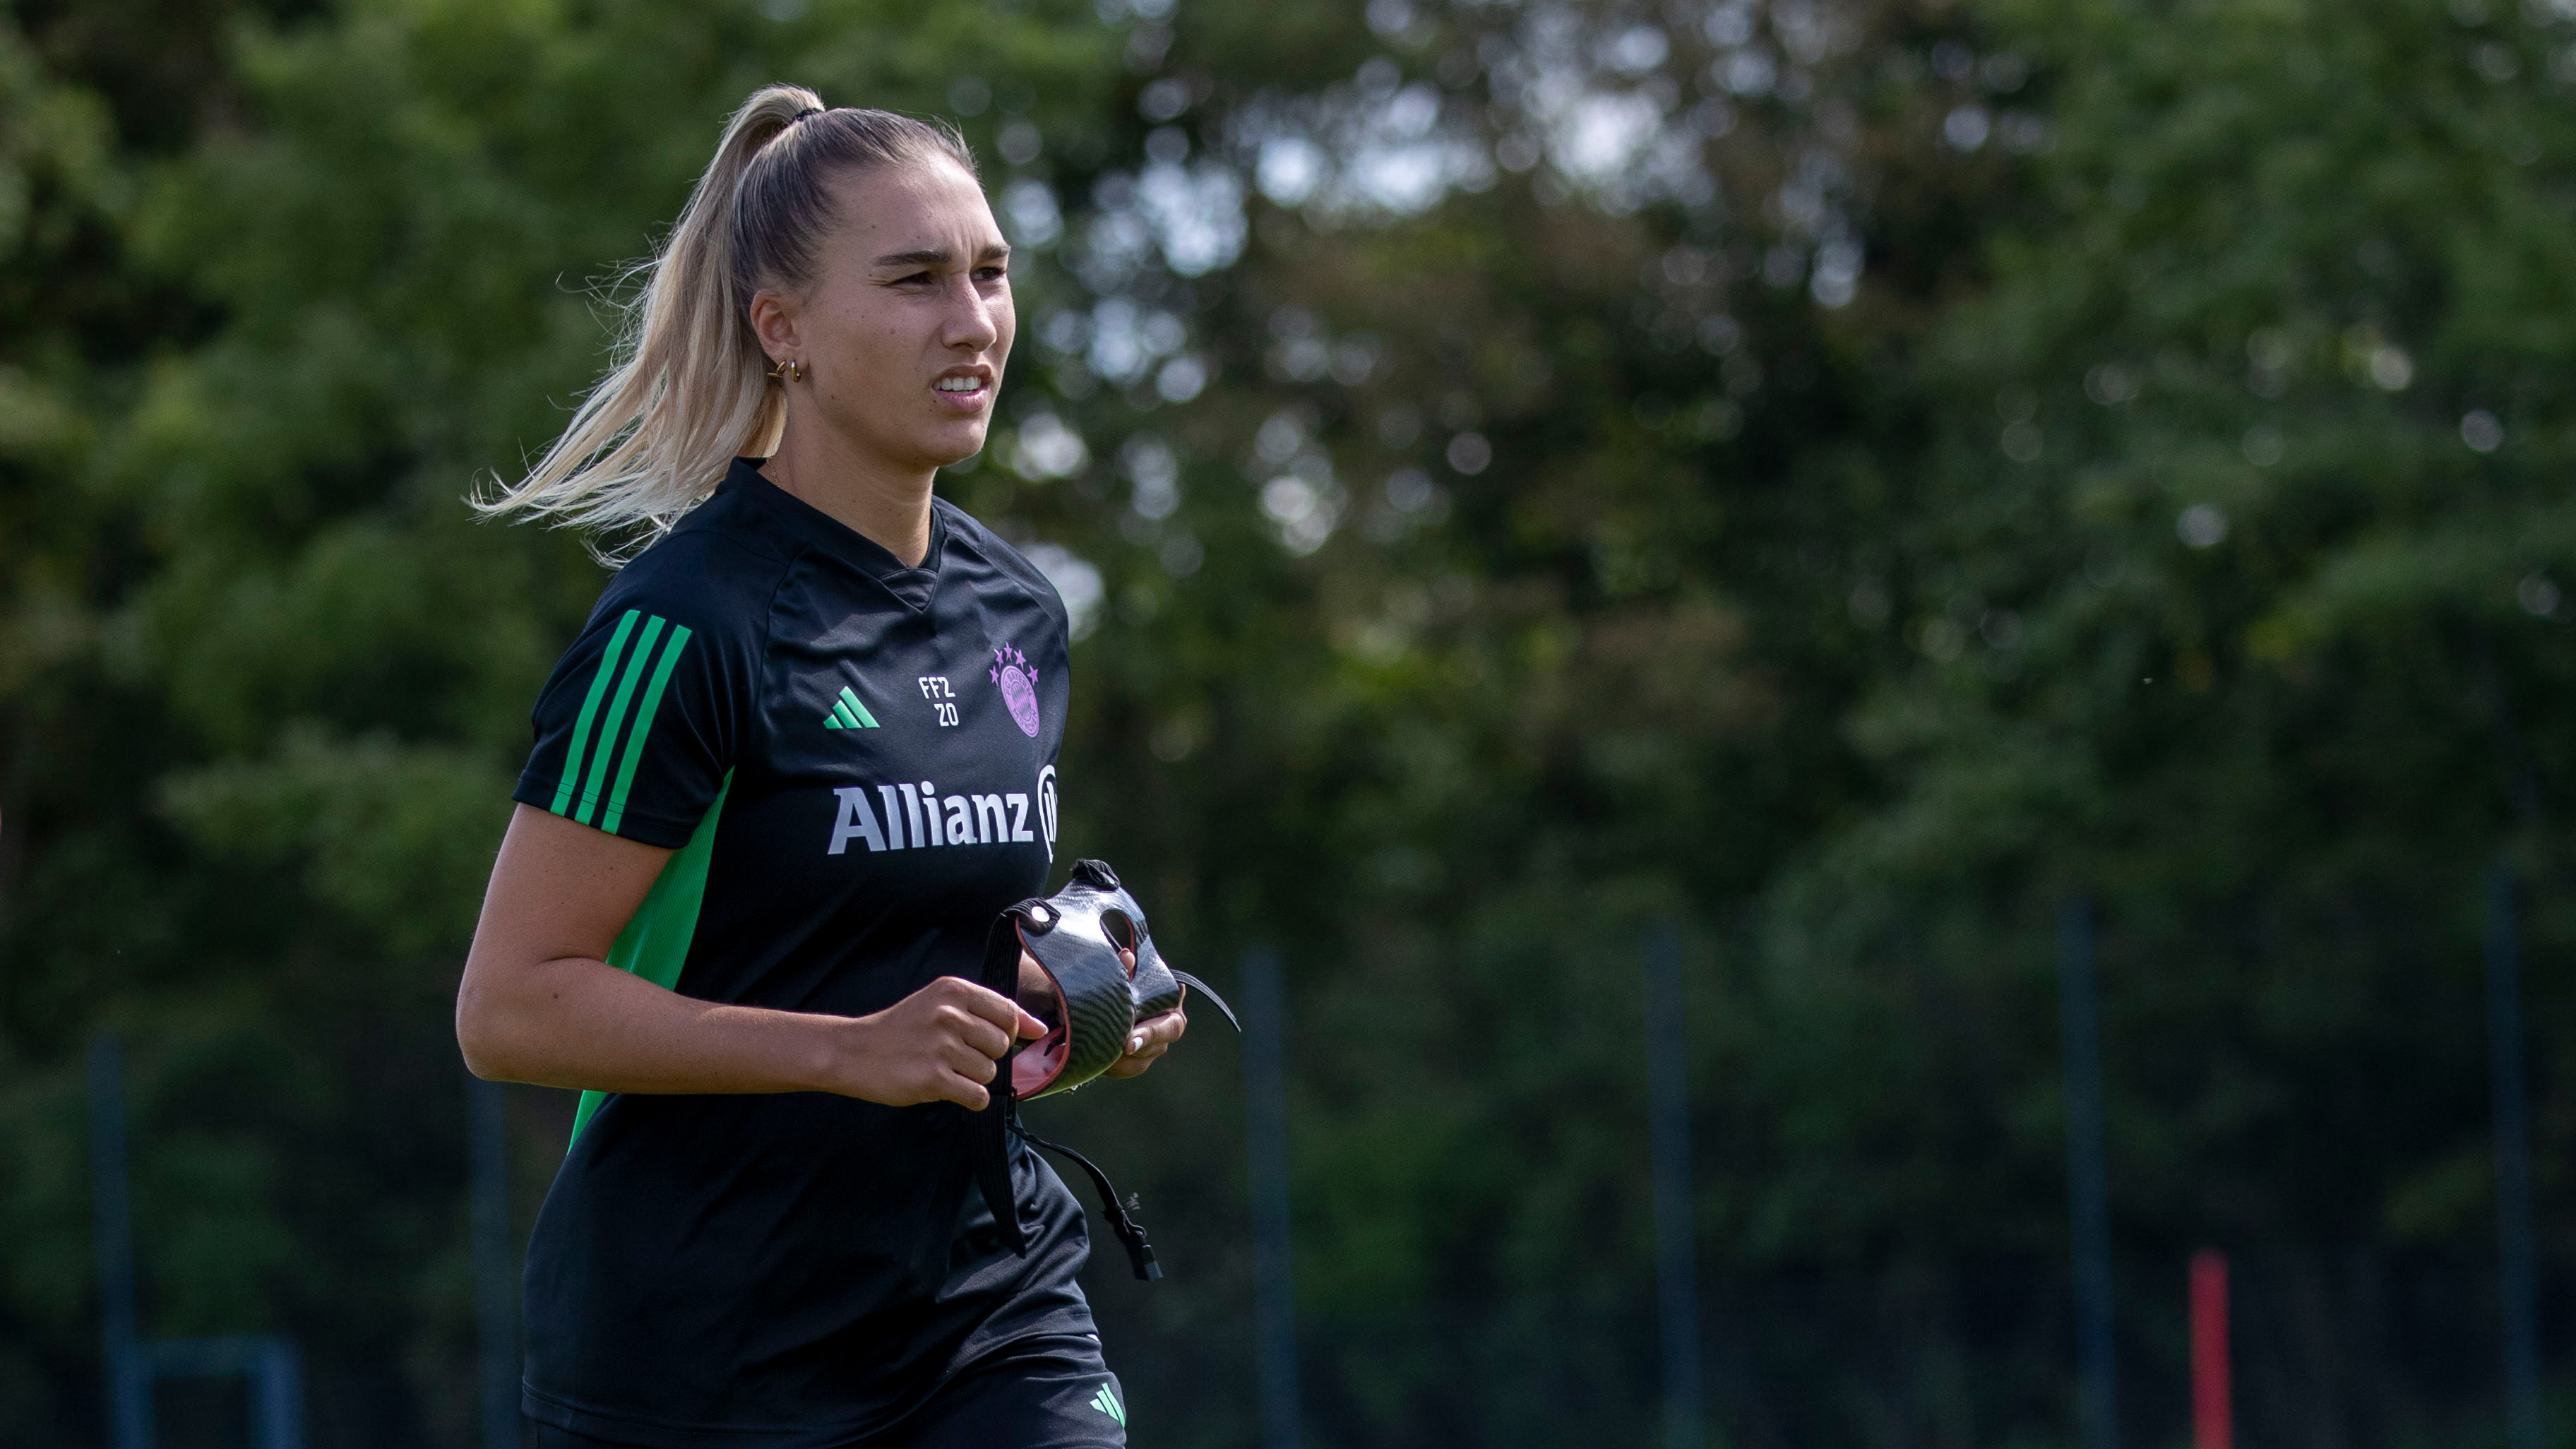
x,y
1047,1393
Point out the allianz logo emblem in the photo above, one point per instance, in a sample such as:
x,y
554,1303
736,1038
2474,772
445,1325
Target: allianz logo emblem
x,y
914,815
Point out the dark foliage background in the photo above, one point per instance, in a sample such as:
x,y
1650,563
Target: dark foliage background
x,y
1844,473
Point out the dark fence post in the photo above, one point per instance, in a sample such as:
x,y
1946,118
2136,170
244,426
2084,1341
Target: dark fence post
x,y
496,1276
129,1420
1265,1083
2087,1176
1676,1264
2516,1267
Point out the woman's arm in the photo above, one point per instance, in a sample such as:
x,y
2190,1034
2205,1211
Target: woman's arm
x,y
540,1003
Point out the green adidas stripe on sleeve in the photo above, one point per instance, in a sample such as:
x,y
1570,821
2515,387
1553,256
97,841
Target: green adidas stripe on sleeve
x,y
642,727
596,777
655,943
589,708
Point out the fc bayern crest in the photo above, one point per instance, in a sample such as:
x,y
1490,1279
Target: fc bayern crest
x,y
1019,682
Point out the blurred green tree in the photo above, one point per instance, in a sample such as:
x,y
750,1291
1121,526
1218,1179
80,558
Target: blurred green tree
x,y
1846,474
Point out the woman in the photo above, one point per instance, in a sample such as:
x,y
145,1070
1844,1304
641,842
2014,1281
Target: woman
x,y
802,754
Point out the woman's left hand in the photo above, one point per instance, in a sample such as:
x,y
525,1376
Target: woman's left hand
x,y
1151,1038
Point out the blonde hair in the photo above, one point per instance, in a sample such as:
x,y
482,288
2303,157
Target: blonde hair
x,y
690,388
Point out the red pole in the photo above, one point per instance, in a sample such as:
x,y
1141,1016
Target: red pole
x,y
2213,1419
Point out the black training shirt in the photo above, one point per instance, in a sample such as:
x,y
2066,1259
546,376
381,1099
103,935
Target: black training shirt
x,y
856,765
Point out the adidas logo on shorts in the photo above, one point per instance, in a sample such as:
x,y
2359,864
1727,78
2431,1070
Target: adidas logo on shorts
x,y
1106,1402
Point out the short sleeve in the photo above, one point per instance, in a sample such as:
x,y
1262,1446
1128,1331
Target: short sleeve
x,y
635,729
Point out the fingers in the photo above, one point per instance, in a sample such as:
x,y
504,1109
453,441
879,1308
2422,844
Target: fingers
x,y
943,1043
1159,1033
979,1034
970,1029
964,1069
1148,1042
1035,986
992,1006
969,1060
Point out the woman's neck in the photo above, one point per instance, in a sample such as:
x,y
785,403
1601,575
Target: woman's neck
x,y
887,506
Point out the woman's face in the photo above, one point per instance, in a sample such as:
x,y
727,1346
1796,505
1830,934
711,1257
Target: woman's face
x,y
907,322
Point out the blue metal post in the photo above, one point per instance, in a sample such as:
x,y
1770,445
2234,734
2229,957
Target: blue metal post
x,y
277,1384
1266,1099
272,1363
129,1407
1676,1259
2515,1253
496,1276
2088,1178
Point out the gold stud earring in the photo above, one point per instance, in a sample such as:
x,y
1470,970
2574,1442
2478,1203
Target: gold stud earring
x,y
790,370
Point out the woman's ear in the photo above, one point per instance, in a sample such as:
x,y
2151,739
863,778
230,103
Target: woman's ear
x,y
773,321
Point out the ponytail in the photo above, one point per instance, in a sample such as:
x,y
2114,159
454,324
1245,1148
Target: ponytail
x,y
689,389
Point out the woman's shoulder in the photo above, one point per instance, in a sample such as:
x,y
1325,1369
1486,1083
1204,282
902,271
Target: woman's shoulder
x,y
721,579
965,531
729,536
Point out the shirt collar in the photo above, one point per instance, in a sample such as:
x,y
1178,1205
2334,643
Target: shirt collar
x,y
826,534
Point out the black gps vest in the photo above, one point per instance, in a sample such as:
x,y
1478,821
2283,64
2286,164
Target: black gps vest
x,y
855,763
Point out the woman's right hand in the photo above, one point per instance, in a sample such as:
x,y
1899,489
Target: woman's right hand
x,y
942,1043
